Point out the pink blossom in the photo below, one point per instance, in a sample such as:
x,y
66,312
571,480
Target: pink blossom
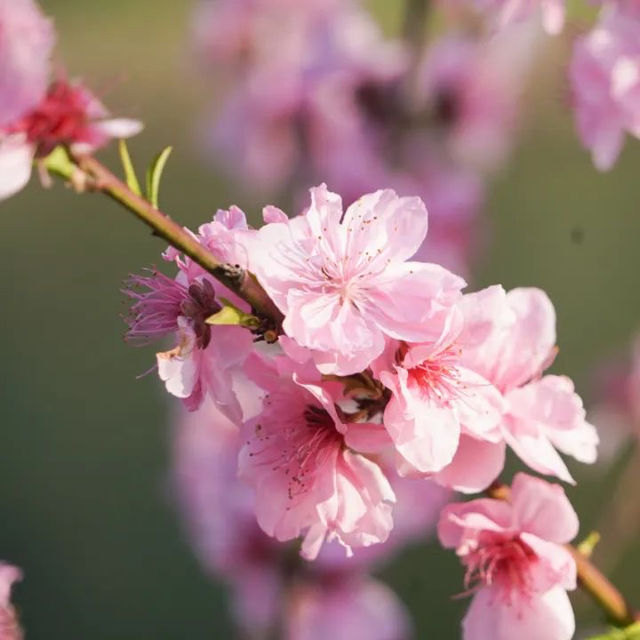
x,y
515,560
219,512
435,398
306,480
206,359
509,339
9,627
26,41
345,608
605,84
508,12
68,114
343,282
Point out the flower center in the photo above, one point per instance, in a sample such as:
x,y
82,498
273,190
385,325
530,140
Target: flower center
x,y
61,118
438,375
160,300
504,562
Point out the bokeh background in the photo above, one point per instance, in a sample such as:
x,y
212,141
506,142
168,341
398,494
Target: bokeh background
x,y
85,492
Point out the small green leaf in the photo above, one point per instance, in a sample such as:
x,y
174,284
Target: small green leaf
x,y
129,172
587,546
59,162
630,633
154,174
231,315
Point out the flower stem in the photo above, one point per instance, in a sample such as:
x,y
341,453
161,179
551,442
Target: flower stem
x,y
591,579
238,280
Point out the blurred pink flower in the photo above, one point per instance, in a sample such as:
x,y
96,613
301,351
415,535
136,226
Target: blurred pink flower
x,y
206,359
509,338
515,560
306,480
9,627
68,114
26,42
343,282
346,608
605,83
505,13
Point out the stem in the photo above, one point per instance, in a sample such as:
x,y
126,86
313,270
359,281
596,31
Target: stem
x,y
592,580
238,280
415,19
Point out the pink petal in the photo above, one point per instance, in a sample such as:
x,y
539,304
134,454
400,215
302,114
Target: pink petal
x,y
474,467
543,509
548,616
16,159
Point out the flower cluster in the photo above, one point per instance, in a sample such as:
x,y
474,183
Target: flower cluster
x,y
384,370
36,114
330,98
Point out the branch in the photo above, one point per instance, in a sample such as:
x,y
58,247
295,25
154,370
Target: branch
x,y
238,280
592,580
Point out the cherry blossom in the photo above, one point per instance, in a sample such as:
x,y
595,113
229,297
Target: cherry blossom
x,y
605,83
68,114
509,339
516,564
306,480
343,282
205,358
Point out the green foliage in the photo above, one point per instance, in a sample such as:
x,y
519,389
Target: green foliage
x,y
231,315
59,163
154,174
630,633
129,172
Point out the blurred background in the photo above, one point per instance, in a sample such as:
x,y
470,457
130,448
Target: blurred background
x,y
85,491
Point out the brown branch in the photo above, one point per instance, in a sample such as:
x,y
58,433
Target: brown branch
x,y
591,579
238,280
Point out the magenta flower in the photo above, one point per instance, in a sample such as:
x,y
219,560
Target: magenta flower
x,y
9,627
516,564
26,41
605,83
206,359
306,480
509,339
343,282
69,115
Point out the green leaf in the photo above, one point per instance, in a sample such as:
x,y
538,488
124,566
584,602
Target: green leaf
x,y
231,315
154,174
630,633
129,172
587,546
59,162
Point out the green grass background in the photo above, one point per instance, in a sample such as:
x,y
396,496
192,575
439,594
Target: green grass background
x,y
84,492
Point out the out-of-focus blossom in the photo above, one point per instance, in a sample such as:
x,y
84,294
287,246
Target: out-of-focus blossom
x,y
515,560
509,338
26,42
616,409
205,357
343,280
219,511
605,83
9,627
306,480
505,13
68,114
346,607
